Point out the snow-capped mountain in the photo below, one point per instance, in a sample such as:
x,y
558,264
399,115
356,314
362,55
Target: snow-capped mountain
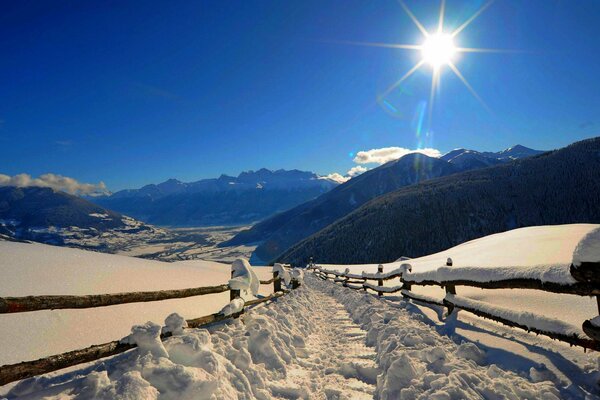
x,y
226,200
471,159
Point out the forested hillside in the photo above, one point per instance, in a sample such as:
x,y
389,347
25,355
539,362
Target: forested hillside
x,y
557,187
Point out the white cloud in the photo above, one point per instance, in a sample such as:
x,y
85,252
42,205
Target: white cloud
x,y
337,177
385,154
357,170
56,182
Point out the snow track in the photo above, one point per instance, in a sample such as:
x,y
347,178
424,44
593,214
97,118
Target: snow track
x,y
335,363
321,341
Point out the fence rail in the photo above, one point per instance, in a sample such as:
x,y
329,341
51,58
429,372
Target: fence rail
x,y
587,284
28,369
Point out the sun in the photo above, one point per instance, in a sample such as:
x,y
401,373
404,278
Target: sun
x,y
438,50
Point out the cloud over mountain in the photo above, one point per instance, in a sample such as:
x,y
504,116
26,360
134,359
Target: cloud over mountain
x,y
54,181
386,154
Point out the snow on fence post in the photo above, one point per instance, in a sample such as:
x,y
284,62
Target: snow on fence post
x,y
380,281
450,289
232,292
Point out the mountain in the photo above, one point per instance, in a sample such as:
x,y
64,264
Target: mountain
x,y
54,217
227,200
284,229
472,159
557,187
281,231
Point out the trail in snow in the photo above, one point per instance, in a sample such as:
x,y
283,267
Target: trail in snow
x,y
321,341
335,362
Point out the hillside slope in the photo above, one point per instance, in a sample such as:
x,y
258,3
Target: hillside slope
x,y
283,230
557,187
50,216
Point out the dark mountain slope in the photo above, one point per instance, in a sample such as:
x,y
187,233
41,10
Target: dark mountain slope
x,y
38,207
562,186
283,230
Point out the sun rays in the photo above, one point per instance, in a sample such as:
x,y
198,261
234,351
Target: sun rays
x,y
438,50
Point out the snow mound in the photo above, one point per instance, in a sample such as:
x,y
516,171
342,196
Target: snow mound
x,y
147,338
235,306
174,324
244,277
588,249
283,273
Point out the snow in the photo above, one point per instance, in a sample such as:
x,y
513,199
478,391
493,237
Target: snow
x,y
541,252
282,273
319,341
235,306
545,252
37,269
588,249
528,319
244,277
147,338
174,324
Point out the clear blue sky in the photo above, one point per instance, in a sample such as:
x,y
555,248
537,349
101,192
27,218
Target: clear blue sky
x,y
137,92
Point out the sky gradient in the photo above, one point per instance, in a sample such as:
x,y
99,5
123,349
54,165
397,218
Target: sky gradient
x,y
127,94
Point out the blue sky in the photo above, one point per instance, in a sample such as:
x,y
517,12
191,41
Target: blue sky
x,y
131,93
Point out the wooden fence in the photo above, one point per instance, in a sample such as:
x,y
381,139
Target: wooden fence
x,y
587,284
28,369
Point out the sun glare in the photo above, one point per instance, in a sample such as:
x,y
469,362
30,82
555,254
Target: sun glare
x,y
438,50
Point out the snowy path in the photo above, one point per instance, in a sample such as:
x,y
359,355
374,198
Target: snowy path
x,y
321,341
335,362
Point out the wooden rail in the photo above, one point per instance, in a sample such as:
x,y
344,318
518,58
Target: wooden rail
x,y
36,303
28,369
587,284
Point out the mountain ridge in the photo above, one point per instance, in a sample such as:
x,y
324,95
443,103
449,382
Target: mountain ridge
x,y
281,231
544,189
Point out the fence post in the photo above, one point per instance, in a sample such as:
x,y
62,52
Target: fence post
x,y
233,293
405,286
380,281
295,283
588,272
276,282
450,289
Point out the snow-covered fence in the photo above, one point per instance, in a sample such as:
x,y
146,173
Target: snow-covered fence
x,y
243,278
583,279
